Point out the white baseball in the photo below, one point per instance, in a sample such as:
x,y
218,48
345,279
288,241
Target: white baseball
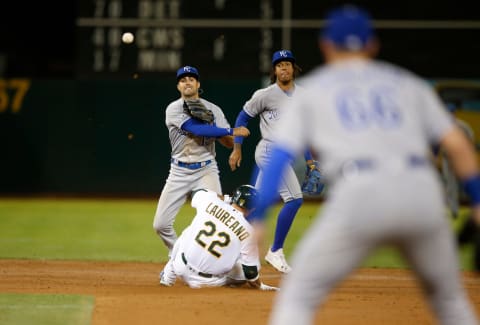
x,y
127,38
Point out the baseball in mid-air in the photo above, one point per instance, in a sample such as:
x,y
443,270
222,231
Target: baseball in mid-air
x,y
127,38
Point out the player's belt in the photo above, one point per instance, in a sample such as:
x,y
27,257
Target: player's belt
x,y
411,161
195,165
205,275
353,166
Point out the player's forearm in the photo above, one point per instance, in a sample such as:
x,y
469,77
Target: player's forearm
x,y
461,154
242,120
464,161
205,130
226,141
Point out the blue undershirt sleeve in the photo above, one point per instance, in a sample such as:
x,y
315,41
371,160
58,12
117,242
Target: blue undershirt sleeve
x,y
242,120
308,155
472,188
199,128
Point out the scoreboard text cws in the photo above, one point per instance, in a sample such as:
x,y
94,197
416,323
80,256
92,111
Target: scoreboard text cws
x,y
166,38
226,38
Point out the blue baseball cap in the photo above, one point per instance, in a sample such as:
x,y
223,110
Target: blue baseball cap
x,y
187,71
348,27
282,55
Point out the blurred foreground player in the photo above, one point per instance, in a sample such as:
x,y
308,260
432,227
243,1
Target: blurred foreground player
x,y
372,124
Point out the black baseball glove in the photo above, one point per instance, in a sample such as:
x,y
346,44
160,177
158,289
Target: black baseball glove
x,y
196,109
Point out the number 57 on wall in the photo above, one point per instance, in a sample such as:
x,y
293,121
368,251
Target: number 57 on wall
x,y
12,93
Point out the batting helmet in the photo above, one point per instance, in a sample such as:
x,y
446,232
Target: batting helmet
x,y
245,196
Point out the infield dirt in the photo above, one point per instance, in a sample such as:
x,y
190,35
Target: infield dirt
x,y
129,293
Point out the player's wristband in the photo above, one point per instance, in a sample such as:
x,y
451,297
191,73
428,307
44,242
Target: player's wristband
x,y
238,140
242,120
230,131
472,188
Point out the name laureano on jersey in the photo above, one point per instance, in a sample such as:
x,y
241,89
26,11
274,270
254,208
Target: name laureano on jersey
x,y
228,220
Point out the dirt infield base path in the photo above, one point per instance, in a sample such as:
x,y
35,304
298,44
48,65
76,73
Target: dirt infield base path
x,y
129,293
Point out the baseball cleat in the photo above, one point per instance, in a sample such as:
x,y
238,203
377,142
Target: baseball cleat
x,y
278,261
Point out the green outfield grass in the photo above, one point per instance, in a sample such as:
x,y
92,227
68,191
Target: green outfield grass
x,y
121,230
24,309
111,230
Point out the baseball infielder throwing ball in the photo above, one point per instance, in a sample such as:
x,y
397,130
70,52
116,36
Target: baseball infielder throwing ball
x,y
372,124
193,125
220,245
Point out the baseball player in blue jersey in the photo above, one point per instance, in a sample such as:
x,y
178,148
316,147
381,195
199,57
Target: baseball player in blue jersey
x,y
372,124
268,104
193,163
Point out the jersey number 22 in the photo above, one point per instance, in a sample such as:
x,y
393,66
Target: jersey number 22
x,y
210,231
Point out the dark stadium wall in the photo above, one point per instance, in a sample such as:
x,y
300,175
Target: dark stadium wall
x,y
108,137
101,137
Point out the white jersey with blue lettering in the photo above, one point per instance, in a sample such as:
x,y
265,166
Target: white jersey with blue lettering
x,y
218,240
364,110
372,125
186,147
269,104
193,166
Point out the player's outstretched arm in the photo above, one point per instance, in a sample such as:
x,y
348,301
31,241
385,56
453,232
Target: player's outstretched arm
x,y
198,128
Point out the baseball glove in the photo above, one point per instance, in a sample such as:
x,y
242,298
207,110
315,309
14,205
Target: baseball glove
x,y
314,182
196,109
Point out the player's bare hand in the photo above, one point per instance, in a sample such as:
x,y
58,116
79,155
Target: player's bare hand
x,y
235,158
257,284
241,131
265,287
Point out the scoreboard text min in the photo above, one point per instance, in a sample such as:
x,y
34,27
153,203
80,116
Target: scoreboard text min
x,y
222,37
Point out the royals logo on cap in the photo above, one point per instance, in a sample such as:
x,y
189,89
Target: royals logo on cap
x,y
187,71
282,55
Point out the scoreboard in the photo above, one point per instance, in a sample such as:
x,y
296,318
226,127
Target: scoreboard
x,y
225,38
236,38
